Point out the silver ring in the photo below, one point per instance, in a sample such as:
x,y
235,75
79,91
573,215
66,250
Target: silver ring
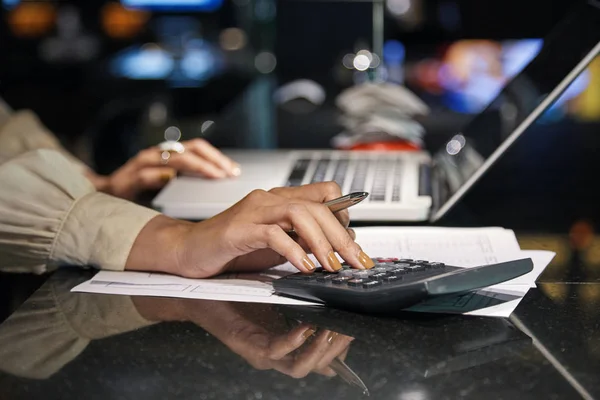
x,y
168,147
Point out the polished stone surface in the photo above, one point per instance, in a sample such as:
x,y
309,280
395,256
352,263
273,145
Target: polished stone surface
x,y
62,345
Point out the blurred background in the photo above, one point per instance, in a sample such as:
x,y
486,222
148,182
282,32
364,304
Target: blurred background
x,y
108,77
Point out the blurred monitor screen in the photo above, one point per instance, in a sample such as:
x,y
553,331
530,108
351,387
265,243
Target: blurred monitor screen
x,y
173,5
469,74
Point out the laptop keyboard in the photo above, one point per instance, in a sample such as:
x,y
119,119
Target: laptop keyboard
x,y
381,177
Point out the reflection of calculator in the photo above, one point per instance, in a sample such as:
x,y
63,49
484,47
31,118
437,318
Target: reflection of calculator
x,y
394,284
431,344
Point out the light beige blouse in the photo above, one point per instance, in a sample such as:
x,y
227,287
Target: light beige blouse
x,y
50,213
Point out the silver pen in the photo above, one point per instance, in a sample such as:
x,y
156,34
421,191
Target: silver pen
x,y
349,376
341,203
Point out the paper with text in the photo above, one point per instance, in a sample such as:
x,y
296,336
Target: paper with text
x,y
467,247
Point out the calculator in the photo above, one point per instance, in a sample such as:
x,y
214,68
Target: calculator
x,y
394,284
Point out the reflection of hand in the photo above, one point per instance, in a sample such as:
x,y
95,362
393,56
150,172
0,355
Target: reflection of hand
x,y
292,353
257,333
146,170
251,236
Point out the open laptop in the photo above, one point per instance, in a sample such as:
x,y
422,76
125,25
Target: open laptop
x,y
409,186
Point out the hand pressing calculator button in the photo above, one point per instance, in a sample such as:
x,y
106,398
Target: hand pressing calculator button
x,y
394,285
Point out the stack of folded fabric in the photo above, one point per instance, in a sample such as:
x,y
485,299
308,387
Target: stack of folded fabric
x,y
379,112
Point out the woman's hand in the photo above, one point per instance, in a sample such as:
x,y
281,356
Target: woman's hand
x,y
253,235
147,170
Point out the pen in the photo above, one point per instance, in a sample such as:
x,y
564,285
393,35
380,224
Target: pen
x,y
341,203
349,376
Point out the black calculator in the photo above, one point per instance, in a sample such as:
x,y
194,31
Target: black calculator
x,y
394,284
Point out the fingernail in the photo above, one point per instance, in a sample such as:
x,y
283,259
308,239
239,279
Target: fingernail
x,y
308,333
308,264
167,176
333,261
331,337
236,170
365,260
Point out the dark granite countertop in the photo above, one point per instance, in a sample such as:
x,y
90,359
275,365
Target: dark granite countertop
x,y
63,345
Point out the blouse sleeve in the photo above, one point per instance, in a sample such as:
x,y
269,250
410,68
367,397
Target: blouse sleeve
x,y
22,131
51,215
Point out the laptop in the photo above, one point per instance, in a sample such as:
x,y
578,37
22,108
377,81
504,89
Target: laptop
x,y
409,186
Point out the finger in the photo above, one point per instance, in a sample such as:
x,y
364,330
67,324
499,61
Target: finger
x,y
327,371
339,238
207,151
285,344
273,237
316,192
305,247
351,233
311,356
338,346
154,178
193,163
186,162
297,216
315,224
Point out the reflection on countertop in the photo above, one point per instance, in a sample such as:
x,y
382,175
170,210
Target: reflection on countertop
x,y
70,345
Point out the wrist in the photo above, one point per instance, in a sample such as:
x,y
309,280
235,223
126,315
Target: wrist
x,y
159,246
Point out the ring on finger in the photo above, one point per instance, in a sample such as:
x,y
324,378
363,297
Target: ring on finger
x,y
169,147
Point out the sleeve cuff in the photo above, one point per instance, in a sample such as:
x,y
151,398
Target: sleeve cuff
x,y
100,231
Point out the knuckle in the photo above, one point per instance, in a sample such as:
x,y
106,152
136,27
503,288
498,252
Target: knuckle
x,y
271,231
256,194
332,188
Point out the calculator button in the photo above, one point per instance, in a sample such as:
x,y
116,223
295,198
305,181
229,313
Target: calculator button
x,y
325,278
438,265
380,269
355,282
379,276
402,265
297,277
392,278
404,260
421,262
361,274
398,271
340,280
346,272
370,284
414,268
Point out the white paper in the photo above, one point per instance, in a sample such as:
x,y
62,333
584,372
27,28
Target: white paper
x,y
466,247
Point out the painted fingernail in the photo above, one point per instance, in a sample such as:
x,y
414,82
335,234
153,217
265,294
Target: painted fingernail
x,y
308,333
365,260
333,261
308,264
236,170
167,176
331,337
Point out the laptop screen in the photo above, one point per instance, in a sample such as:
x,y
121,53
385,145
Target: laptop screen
x,y
564,54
